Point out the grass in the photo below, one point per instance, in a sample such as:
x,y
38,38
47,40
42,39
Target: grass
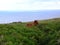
x,y
46,33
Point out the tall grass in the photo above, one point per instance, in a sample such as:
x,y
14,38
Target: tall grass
x,y
47,33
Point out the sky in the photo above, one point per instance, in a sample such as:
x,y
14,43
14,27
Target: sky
x,y
28,10
28,5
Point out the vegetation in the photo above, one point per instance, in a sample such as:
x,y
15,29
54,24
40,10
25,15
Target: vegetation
x,y
45,33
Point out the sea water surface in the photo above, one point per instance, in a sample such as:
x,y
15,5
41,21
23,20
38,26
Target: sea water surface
x,y
24,16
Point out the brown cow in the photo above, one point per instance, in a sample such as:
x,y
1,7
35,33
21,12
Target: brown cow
x,y
35,23
30,24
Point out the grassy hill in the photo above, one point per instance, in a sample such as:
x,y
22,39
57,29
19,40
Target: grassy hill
x,y
46,33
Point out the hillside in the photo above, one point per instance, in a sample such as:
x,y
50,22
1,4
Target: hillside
x,y
47,32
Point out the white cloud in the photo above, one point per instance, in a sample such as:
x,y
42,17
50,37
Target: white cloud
x,y
47,5
7,5
22,5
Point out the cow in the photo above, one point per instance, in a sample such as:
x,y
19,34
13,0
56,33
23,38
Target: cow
x,y
34,23
30,24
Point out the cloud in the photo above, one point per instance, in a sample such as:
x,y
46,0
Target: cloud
x,y
7,5
28,5
37,5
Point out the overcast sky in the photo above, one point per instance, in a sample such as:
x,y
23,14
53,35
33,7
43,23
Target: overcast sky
x,y
28,5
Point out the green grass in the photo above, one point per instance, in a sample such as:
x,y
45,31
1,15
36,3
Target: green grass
x,y
46,33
